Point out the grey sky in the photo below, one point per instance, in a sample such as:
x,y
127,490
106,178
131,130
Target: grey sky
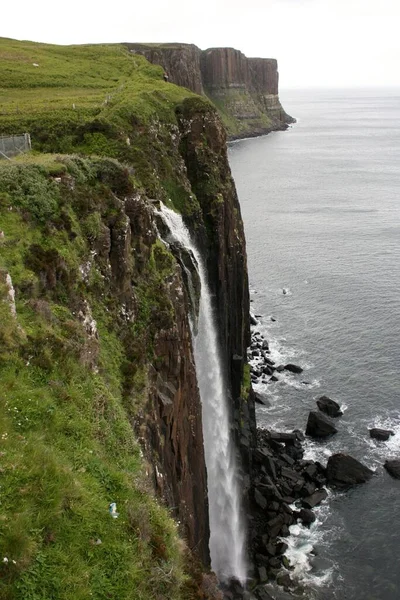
x,y
317,42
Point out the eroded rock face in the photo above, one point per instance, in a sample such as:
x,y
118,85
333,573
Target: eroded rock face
x,y
176,424
264,75
246,88
225,67
181,62
221,238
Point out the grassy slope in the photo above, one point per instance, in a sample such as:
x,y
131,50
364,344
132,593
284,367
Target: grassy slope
x,y
234,101
96,99
66,444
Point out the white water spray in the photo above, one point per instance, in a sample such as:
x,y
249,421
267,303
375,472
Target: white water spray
x,y
227,532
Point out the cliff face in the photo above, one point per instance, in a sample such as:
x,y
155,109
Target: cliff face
x,y
244,90
180,61
204,151
168,421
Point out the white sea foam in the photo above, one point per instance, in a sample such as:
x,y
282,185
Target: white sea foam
x,y
301,550
379,450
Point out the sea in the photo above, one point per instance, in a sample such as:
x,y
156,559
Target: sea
x,y
321,210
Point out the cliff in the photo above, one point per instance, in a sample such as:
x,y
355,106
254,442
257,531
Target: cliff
x,y
244,90
100,402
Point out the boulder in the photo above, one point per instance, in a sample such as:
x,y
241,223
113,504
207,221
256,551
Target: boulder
x,y
262,594
318,425
329,407
281,547
291,475
306,516
311,471
253,320
269,466
259,499
270,549
380,434
262,574
308,488
343,470
274,525
315,498
267,370
283,579
261,399
393,468
293,368
283,437
261,559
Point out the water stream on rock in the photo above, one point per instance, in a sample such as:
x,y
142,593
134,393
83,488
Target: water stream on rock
x,y
227,532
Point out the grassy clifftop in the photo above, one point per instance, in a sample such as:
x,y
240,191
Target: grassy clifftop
x,y
96,79
97,99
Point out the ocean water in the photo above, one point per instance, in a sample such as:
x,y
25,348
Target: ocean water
x,y
321,208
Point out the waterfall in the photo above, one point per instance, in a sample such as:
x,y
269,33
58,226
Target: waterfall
x,y
227,532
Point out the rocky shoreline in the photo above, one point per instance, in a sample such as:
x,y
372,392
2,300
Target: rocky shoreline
x,y
285,487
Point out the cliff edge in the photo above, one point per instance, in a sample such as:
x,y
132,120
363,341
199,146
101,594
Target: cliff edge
x,y
244,90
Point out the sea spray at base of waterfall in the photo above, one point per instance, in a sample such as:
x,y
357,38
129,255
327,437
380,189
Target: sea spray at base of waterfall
x,y
227,531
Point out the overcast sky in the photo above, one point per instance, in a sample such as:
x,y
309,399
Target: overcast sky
x,y
328,43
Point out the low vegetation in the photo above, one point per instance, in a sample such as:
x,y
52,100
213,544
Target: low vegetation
x,y
98,100
67,446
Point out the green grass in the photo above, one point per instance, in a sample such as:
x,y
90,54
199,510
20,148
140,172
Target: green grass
x,y
67,400
233,101
98,100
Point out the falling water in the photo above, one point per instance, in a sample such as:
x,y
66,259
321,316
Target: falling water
x,y
227,533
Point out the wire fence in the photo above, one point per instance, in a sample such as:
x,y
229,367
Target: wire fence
x,y
12,145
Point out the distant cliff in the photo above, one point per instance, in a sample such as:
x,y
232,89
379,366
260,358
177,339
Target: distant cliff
x,y
245,90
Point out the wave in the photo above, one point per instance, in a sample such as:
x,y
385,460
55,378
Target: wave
x,y
307,568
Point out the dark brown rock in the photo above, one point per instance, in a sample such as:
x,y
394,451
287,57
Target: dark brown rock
x,y
293,368
262,574
380,434
343,470
259,499
318,425
306,516
329,407
283,437
393,468
274,525
315,499
283,579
